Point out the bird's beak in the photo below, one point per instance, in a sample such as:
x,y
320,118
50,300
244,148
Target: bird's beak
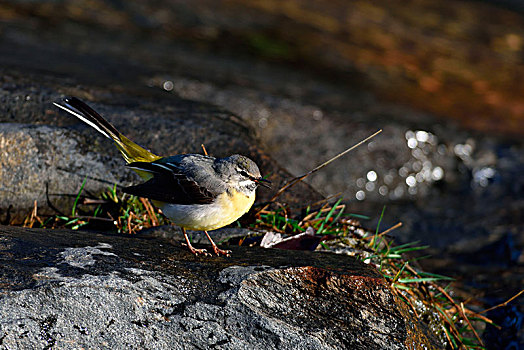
x,y
263,182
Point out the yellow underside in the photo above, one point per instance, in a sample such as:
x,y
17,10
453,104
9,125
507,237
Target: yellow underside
x,y
205,217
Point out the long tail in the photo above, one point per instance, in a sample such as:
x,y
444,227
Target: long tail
x,y
130,150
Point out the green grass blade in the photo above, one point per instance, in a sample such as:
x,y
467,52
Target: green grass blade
x,y
400,271
328,216
435,275
401,286
335,220
409,249
375,239
358,216
405,245
380,219
73,211
419,279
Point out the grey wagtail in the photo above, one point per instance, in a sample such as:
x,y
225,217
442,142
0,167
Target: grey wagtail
x,y
194,191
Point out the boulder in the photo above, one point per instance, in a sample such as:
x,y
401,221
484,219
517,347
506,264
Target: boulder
x,y
72,289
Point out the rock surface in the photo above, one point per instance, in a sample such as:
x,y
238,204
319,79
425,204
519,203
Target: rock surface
x,y
40,162
47,163
71,289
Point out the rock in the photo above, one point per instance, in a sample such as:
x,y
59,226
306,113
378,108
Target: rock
x,y
47,163
40,162
73,289
224,234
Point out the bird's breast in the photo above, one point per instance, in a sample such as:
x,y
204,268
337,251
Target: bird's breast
x,y
226,208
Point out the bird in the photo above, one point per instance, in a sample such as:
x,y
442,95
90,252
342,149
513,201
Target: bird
x,y
194,191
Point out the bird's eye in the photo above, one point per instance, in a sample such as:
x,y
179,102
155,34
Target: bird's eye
x,y
244,173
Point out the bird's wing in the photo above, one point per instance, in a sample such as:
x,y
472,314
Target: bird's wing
x,y
171,183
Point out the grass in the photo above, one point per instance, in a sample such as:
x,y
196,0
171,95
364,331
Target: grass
x,y
112,211
426,295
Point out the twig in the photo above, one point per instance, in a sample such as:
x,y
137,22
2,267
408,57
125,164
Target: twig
x,y
504,303
129,218
390,229
87,217
483,318
29,222
298,179
327,199
149,210
325,207
406,300
322,210
452,327
423,285
394,227
462,310
91,201
449,339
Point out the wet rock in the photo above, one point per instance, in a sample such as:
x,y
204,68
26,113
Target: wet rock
x,y
71,289
422,170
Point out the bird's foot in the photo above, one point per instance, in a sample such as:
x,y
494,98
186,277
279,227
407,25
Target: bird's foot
x,y
220,252
196,251
217,250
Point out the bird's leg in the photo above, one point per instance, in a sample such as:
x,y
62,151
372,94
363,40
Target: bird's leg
x,y
191,248
216,249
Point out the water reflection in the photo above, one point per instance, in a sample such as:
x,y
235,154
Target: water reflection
x,y
168,85
426,166
418,173
483,175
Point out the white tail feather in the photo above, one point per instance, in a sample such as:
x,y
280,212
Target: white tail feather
x,y
70,109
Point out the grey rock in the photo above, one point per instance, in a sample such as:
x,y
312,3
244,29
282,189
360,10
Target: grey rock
x,y
45,156
70,289
199,237
39,162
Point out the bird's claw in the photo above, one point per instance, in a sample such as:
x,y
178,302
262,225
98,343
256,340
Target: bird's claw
x,y
219,252
197,252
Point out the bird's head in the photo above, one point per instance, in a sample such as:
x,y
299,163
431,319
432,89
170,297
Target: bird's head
x,y
241,173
